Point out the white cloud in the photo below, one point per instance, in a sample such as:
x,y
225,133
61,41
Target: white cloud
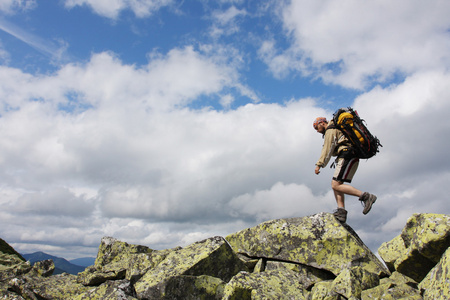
x,y
106,140
225,17
108,148
133,156
280,201
57,201
112,8
226,22
355,43
11,6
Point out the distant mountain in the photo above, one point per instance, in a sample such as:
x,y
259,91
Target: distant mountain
x,y
61,264
83,261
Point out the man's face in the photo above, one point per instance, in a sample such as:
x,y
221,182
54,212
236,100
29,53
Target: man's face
x,y
320,128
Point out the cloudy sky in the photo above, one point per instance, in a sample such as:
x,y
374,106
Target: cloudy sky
x,y
163,122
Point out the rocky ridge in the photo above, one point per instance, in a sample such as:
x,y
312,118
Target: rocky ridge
x,y
313,257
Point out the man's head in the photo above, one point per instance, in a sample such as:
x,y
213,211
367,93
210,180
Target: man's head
x,y
320,124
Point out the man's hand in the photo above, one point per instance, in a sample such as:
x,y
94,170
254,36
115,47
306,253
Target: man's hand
x,y
317,170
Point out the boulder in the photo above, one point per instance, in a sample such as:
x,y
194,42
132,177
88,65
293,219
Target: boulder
x,y
269,285
117,260
11,266
425,238
351,282
397,285
11,262
7,250
319,241
213,257
313,257
61,286
437,282
190,287
111,290
115,252
43,268
308,276
324,291
391,251
391,291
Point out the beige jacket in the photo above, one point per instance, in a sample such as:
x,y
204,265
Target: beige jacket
x,y
334,142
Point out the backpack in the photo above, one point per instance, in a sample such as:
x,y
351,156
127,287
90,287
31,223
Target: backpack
x,y
364,143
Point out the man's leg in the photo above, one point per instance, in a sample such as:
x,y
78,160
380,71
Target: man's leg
x,y
340,213
340,189
340,198
345,169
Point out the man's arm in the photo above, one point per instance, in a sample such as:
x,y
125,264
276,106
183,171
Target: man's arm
x,y
317,171
327,150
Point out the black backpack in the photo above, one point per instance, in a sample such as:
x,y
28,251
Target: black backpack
x,y
364,143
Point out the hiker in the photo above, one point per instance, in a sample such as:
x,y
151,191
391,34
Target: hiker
x,y
336,144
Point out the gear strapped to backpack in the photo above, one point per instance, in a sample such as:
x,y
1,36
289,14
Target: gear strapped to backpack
x,y
365,145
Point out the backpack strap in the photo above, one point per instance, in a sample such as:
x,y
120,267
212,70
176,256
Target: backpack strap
x,y
329,126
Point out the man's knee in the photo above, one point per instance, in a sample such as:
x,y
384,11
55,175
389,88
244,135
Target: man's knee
x,y
335,184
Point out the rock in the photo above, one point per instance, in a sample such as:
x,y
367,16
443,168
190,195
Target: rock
x,y
308,276
111,290
390,291
62,286
7,295
140,263
43,268
273,284
92,276
351,282
398,278
437,282
318,241
429,234
313,257
212,257
324,291
190,287
7,250
391,251
118,260
11,262
426,238
11,266
113,251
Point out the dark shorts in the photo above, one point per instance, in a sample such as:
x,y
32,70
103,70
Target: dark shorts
x,y
345,169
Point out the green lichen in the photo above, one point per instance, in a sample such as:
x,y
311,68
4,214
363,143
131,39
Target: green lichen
x,y
426,237
319,241
351,282
274,284
391,251
111,290
437,282
429,234
212,257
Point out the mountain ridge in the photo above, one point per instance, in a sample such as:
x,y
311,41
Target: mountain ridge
x,y
62,265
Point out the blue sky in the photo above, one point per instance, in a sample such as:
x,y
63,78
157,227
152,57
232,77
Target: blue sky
x,y
55,34
165,122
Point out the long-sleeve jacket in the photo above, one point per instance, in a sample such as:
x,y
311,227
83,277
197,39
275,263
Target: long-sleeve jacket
x,y
334,142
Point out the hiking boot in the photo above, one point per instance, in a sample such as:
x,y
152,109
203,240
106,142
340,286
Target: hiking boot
x,y
340,214
367,200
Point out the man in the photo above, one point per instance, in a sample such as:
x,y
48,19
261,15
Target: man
x,y
336,144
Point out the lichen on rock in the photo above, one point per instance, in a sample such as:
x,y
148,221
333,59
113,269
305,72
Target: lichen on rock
x,y
212,257
318,241
313,257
